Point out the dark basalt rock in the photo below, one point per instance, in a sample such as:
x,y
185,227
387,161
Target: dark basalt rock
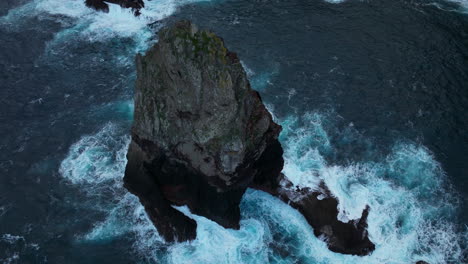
x,y
102,5
199,129
201,136
320,210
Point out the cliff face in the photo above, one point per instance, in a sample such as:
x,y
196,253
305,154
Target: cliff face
x,y
201,130
201,136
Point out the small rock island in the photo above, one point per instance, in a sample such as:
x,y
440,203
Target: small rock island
x,y
201,136
103,5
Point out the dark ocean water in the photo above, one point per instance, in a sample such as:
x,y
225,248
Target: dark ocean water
x,y
372,96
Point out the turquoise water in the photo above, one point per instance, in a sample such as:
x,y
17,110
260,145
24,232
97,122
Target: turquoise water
x,y
405,222
68,143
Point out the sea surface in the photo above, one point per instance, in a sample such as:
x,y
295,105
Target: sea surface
x,y
372,96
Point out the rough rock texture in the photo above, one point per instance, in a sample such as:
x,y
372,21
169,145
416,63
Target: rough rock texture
x,y
201,136
319,208
102,5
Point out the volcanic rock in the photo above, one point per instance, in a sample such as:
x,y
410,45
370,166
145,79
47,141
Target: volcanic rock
x,y
201,136
103,5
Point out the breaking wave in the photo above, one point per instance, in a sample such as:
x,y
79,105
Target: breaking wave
x,y
409,218
82,24
411,207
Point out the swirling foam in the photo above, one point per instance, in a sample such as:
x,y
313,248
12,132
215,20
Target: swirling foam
x,y
410,211
405,222
85,24
96,163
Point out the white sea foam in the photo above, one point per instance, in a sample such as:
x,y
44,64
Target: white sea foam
x,y
96,163
93,159
403,221
215,244
13,258
303,139
81,23
404,225
12,248
11,239
403,191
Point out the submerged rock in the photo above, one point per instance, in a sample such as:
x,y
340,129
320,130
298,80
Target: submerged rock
x,y
201,136
103,5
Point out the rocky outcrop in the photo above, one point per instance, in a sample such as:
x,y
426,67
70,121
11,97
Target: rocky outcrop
x,y
201,136
103,5
319,208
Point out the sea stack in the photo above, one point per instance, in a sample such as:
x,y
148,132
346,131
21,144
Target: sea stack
x,y
201,136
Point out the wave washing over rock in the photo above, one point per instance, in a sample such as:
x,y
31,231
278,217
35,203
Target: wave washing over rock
x,y
405,223
201,136
261,214
81,23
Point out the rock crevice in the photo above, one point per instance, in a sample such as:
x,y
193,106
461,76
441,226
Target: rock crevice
x,y
201,136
